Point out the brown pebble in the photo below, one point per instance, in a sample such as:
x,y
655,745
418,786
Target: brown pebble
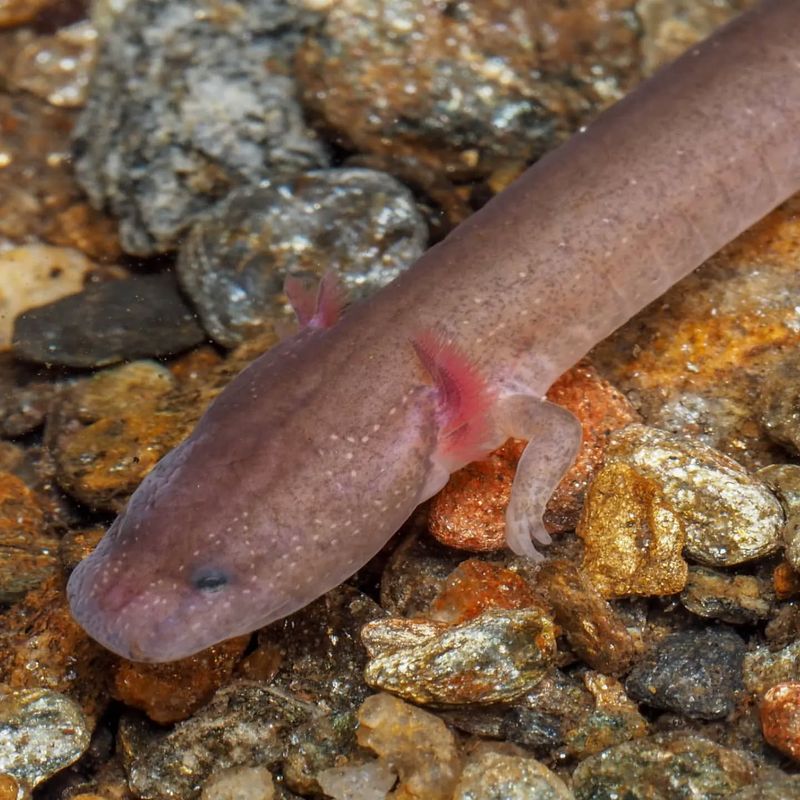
x,y
785,581
9,788
780,718
590,624
171,692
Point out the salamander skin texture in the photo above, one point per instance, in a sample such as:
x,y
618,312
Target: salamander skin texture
x,y
315,454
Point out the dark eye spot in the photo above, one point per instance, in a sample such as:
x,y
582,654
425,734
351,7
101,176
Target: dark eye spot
x,y
209,580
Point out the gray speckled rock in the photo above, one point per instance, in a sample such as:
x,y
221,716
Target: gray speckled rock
x,y
360,222
244,724
41,732
109,322
695,673
730,517
671,766
188,100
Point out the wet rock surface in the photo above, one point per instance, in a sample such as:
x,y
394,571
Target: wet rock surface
x,y
361,223
664,767
408,78
214,109
42,732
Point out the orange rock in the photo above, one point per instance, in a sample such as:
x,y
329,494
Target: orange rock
x,y
780,718
9,788
469,512
475,586
172,692
786,581
41,646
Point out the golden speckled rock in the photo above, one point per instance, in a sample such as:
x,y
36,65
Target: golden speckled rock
x,y
633,538
28,551
495,657
502,770
730,517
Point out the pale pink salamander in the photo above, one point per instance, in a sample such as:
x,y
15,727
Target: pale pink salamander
x,y
317,453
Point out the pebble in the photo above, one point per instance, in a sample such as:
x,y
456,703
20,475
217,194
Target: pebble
x,y
172,692
243,724
359,222
214,110
737,599
614,718
694,673
633,539
594,630
106,433
417,745
43,732
730,517
541,719
764,668
118,320
784,480
28,550
9,788
35,275
772,787
785,581
494,657
779,712
475,92
784,626
369,781
57,67
695,361
40,199
415,574
18,12
475,586
239,783
469,513
671,766
320,649
497,772
24,397
671,26
42,645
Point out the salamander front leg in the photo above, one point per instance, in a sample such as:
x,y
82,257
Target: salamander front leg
x,y
554,437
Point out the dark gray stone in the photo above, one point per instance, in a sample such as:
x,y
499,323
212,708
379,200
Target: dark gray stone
x,y
139,317
359,222
694,673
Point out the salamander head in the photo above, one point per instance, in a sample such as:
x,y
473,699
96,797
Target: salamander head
x,y
146,607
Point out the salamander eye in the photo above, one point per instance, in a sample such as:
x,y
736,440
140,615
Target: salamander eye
x,y
209,580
